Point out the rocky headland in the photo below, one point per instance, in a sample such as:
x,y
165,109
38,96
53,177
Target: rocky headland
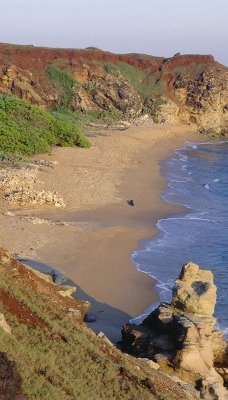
x,y
180,337
189,89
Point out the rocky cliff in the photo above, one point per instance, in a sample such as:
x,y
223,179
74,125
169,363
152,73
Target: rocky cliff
x,y
181,337
182,89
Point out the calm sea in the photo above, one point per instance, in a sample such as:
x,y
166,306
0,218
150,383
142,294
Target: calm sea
x,y
197,178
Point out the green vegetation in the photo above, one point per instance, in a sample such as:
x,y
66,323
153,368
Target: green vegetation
x,y
92,48
84,119
89,85
146,84
149,86
27,129
56,358
106,117
110,68
63,83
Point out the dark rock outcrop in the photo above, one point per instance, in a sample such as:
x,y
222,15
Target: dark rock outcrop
x,y
180,336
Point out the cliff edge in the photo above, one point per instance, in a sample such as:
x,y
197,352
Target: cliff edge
x,y
189,89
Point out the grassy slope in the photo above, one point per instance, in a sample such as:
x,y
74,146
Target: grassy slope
x,y
57,356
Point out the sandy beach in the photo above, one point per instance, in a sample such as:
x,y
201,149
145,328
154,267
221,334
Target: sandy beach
x,y
93,247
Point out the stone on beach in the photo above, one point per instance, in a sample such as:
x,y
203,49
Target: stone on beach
x,y
19,187
58,278
89,317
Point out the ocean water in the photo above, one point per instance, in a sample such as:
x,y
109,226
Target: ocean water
x,y
198,179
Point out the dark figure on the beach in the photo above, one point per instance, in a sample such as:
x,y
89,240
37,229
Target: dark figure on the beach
x,y
130,202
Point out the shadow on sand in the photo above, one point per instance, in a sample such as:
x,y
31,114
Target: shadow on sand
x,y
109,320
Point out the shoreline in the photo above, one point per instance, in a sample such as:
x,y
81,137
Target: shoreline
x,y
95,253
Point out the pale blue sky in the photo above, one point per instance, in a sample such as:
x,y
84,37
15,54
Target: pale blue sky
x,y
155,27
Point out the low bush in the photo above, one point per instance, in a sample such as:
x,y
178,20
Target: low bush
x,y
63,83
26,129
89,85
93,48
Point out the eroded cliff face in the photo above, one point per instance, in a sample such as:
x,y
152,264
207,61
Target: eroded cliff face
x,y
182,89
180,336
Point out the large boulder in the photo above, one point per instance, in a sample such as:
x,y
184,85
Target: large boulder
x,y
194,292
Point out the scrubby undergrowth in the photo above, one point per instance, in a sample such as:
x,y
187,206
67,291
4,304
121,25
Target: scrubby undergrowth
x,y
27,129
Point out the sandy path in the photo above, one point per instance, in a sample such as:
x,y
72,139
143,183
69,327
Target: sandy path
x,y
94,250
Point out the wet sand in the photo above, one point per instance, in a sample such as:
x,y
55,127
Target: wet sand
x,y
94,250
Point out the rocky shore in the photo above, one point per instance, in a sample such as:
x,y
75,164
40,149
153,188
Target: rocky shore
x,y
180,337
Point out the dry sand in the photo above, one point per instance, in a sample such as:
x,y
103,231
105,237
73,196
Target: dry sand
x,y
94,250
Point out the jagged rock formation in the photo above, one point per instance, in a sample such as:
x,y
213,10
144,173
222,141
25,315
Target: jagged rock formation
x,y
181,89
180,336
104,91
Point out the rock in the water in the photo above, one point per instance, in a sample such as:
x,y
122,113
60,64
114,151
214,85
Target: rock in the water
x,y
194,292
180,336
89,317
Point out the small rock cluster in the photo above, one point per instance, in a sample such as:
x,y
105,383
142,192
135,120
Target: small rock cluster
x,y
17,179
22,197
41,221
19,184
45,163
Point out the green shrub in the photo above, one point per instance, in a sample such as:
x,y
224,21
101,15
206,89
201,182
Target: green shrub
x,y
26,129
89,85
145,83
63,83
92,48
110,68
66,133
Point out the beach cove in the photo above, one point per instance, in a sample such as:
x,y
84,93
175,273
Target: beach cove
x,y
99,230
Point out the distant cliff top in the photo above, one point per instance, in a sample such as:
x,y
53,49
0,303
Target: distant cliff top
x,y
190,89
